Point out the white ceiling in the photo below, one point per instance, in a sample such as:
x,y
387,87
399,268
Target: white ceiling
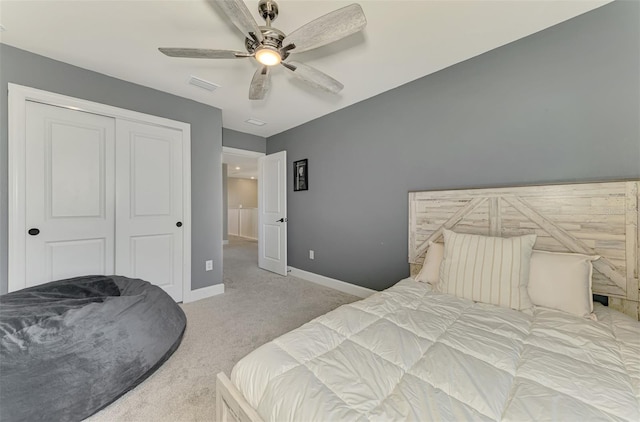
x,y
403,41
240,165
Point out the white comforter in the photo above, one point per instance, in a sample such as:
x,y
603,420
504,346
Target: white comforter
x,y
411,354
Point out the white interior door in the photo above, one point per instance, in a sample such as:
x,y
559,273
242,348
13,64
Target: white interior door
x,y
69,194
149,205
272,212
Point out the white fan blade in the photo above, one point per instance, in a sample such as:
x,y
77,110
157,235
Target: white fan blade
x,y
327,29
201,53
314,77
238,13
260,84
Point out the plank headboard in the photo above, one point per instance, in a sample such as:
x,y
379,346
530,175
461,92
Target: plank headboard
x,y
590,218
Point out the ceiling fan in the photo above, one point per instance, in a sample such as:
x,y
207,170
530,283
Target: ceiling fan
x,y
270,46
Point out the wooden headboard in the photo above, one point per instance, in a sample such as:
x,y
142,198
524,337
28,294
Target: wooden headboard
x,y
590,218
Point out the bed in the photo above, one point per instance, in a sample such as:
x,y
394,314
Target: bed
x,y
433,351
71,347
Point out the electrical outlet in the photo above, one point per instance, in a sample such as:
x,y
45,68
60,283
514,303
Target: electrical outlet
x,y
311,254
208,265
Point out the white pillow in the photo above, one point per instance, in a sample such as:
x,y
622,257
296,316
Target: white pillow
x,y
562,281
487,269
430,271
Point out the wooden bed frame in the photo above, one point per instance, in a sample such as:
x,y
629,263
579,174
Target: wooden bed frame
x,y
231,406
589,218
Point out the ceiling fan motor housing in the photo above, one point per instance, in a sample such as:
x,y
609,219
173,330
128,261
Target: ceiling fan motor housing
x,y
272,40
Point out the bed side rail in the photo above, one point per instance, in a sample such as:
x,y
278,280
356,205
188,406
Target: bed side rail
x,y
231,405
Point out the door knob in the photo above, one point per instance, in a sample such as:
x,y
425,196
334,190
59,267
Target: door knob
x,y
282,220
33,232
179,224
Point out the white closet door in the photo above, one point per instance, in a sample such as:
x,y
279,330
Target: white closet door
x,y
69,193
149,205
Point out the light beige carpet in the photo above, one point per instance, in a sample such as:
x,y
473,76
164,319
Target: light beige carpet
x,y
257,306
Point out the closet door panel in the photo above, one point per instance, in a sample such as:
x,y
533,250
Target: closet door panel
x,y
76,160
149,205
88,256
151,187
69,174
147,252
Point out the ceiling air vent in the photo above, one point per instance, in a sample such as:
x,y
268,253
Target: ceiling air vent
x,y
201,83
255,122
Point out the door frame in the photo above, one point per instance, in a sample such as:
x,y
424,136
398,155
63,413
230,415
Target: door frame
x,y
17,100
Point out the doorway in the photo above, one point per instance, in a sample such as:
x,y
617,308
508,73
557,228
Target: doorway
x,y
240,194
255,204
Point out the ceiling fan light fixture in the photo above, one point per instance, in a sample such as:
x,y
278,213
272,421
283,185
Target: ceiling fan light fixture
x,y
268,56
269,46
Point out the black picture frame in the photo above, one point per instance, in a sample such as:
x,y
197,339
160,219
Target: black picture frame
x,y
300,175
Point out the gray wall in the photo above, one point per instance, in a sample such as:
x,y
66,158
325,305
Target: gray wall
x,y
24,68
559,106
225,204
241,140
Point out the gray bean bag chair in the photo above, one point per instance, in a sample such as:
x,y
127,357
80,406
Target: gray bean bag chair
x,y
71,347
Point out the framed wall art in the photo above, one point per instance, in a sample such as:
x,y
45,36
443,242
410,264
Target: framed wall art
x,y
300,175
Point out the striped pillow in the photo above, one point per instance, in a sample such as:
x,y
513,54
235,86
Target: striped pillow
x,y
487,269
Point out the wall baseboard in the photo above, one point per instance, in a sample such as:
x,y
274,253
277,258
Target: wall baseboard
x,y
342,286
203,293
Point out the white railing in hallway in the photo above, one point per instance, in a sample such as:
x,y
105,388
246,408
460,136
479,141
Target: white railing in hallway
x,y
243,222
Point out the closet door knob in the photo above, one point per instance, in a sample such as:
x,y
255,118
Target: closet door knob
x,y
34,232
179,224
